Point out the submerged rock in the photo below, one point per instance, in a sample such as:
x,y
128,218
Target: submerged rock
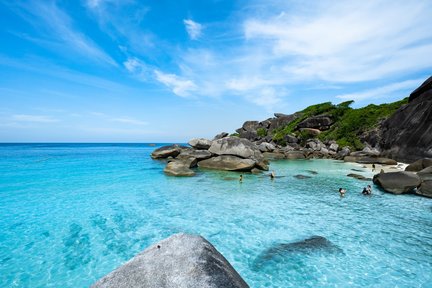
x,y
299,176
397,182
179,261
228,163
359,177
306,246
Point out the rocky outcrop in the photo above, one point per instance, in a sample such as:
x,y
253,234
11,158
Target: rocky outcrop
x,y
407,134
166,151
322,122
425,189
198,154
236,146
200,143
228,163
370,160
419,165
426,174
397,182
220,135
180,168
179,261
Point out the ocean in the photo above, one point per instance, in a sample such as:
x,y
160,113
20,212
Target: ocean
x,y
71,213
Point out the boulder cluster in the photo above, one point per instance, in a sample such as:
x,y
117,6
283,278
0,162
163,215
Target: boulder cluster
x,y
417,178
221,153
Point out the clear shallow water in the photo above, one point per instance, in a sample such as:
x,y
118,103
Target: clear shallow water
x,y
69,214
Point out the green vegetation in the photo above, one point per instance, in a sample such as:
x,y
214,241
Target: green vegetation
x,y
348,125
234,135
261,132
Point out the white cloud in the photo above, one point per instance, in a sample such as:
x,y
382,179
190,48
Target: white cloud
x,y
58,32
384,91
193,28
127,120
33,118
138,68
180,86
346,41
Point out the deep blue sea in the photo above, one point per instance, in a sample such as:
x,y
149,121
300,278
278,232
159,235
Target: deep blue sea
x,y
70,213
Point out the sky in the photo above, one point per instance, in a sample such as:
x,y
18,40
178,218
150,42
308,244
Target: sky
x,y
169,71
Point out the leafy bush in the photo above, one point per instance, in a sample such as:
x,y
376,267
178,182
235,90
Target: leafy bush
x,y
261,132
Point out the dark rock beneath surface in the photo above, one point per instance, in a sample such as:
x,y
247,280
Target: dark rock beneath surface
x,y
166,151
300,176
397,182
179,261
359,177
227,163
307,246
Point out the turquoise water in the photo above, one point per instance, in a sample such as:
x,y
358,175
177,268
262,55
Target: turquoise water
x,y
69,214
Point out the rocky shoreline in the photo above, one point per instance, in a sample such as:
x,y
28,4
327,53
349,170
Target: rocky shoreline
x,y
256,143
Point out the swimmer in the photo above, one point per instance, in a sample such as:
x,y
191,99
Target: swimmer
x,y
342,192
241,178
272,175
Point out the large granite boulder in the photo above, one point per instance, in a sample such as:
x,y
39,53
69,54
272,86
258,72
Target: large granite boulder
x,y
281,121
316,122
266,147
228,163
200,143
250,125
425,189
419,165
425,174
220,135
397,182
274,155
236,146
166,151
294,155
179,261
407,134
198,154
179,168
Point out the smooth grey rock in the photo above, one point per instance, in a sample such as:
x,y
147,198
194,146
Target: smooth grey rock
x,y
334,147
425,174
274,155
291,139
198,154
250,126
220,136
419,165
236,146
425,189
397,182
371,151
166,151
343,153
227,163
200,143
266,147
183,261
294,155
179,168
370,160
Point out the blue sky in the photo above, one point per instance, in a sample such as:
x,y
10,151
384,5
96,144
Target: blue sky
x,y
161,71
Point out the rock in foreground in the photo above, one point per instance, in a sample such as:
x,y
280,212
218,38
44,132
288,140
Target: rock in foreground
x,y
179,261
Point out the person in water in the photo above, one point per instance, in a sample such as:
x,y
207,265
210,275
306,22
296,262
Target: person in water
x,y
241,178
272,175
373,167
342,192
367,190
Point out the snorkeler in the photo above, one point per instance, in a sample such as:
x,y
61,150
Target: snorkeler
x,y
342,192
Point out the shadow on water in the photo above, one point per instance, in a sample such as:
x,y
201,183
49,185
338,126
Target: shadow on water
x,y
285,252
